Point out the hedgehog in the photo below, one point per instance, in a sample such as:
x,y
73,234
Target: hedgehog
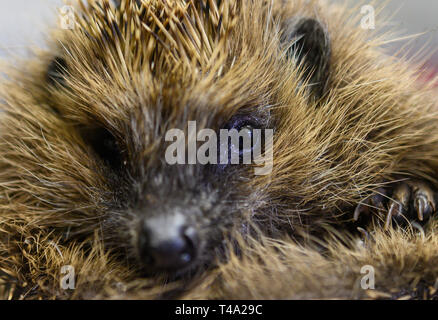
x,y
86,184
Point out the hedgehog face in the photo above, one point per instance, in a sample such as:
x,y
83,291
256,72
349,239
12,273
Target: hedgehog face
x,y
124,92
168,216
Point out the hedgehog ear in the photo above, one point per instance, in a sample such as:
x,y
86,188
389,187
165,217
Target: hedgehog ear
x,y
57,71
307,43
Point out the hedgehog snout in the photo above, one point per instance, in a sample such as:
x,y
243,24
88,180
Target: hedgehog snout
x,y
167,243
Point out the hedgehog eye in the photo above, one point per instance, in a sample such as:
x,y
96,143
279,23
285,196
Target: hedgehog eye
x,y
105,145
248,140
249,135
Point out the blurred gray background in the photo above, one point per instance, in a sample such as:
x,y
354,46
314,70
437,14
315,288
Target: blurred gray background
x,y
22,22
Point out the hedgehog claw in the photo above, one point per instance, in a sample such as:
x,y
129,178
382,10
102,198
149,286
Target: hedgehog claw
x,y
365,234
410,200
395,210
420,204
399,204
360,208
424,204
376,202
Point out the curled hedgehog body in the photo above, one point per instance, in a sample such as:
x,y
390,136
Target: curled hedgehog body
x,y
84,181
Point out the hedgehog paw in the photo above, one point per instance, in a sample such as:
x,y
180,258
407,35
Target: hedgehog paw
x,y
410,200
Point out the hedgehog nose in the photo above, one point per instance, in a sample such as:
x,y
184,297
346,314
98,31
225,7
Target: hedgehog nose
x,y
165,245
